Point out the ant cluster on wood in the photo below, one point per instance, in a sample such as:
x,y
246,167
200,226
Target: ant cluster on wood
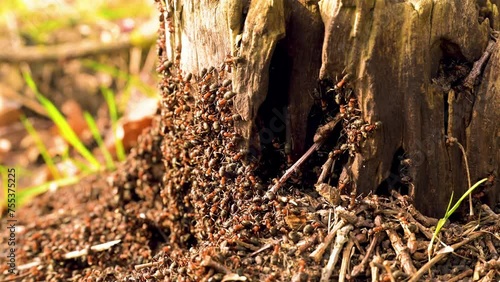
x,y
341,110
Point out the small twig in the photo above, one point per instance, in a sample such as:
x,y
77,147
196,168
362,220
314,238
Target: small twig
x,y
477,269
401,251
18,277
489,212
28,265
388,270
360,268
341,239
209,262
424,230
321,134
470,80
324,131
440,256
247,245
28,102
66,51
490,246
265,247
320,250
325,168
144,265
461,276
375,265
453,140
489,276
357,244
411,238
271,194
305,244
427,221
346,258
95,248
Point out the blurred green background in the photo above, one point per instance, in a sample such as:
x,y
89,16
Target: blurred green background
x,y
78,55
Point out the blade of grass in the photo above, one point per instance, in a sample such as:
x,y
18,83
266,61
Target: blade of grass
x,y
41,147
467,193
97,136
449,212
109,97
23,195
67,132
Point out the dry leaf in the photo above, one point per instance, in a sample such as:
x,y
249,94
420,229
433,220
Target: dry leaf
x,y
330,193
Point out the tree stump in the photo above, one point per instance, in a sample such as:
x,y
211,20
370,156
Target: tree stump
x,y
408,65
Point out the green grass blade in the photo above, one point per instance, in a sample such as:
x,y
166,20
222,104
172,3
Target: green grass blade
x,y
41,147
26,194
471,189
110,100
97,136
449,212
67,132
449,203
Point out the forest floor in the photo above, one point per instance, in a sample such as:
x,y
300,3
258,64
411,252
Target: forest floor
x,y
93,232
186,205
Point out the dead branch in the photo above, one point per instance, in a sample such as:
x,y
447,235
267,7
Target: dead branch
x,y
37,54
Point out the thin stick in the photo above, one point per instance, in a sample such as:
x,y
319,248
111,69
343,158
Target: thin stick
x,y
440,256
464,154
360,268
401,252
321,134
209,262
470,80
265,247
272,192
346,255
67,51
95,248
461,276
144,265
320,250
341,239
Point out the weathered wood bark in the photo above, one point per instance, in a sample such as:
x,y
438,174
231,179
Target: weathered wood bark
x,y
396,49
395,52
